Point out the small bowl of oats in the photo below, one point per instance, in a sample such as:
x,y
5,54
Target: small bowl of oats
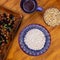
x,y
52,17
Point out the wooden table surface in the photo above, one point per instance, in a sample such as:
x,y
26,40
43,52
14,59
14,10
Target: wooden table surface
x,y
53,53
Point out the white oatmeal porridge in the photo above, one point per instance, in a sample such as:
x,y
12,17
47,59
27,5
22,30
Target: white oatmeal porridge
x,y
35,39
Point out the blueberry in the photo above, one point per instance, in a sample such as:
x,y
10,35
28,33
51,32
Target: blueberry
x,y
11,16
4,14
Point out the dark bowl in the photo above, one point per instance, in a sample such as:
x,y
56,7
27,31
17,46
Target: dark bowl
x,y
22,2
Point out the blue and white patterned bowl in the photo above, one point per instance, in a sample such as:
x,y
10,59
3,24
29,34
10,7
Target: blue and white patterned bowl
x,y
25,48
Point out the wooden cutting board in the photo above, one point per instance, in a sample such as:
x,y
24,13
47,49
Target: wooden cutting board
x,y
53,52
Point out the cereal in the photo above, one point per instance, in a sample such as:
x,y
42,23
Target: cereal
x,y
52,17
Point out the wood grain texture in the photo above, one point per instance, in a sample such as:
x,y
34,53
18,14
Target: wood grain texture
x,y
53,52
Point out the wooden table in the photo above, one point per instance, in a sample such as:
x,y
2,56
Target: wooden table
x,y
53,52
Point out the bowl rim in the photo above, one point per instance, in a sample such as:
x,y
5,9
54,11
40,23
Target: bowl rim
x,y
43,47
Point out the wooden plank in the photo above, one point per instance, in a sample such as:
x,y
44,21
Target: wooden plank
x,y
53,52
